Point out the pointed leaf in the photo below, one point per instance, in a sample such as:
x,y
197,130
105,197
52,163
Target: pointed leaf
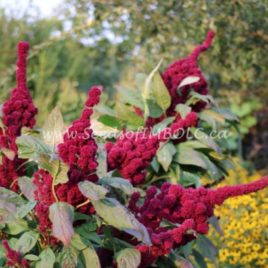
x,y
128,258
92,191
165,155
27,187
102,168
91,258
30,147
119,183
188,81
62,215
124,220
53,128
47,259
183,110
26,242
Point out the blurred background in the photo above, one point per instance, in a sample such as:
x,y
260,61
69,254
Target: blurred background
x,y
78,43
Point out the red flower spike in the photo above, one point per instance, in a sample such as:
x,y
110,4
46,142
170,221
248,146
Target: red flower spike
x,y
189,207
18,111
218,196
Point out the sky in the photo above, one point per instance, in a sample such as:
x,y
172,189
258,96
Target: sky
x,y
46,7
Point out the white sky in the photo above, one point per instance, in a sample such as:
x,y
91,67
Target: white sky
x,y
46,7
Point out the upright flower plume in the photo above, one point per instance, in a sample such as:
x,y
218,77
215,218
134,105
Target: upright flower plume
x,y
180,69
79,148
18,111
189,207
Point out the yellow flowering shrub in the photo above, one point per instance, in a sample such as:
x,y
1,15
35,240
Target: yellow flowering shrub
x,y
244,222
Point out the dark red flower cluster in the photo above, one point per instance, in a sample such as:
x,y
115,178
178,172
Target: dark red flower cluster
x,y
79,151
10,170
133,152
19,111
44,197
79,148
179,70
190,208
14,258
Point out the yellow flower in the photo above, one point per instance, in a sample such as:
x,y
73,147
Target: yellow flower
x,y
244,221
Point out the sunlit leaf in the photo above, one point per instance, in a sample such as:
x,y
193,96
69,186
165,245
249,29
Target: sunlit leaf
x,y
53,128
188,81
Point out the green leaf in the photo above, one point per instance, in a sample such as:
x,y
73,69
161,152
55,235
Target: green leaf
x,y
119,183
188,81
200,260
183,110
188,156
47,259
68,258
127,114
128,258
30,147
155,94
53,128
183,263
154,110
31,257
25,209
189,178
102,168
62,215
165,155
79,242
212,117
207,248
55,167
91,258
7,211
132,97
16,227
196,97
92,190
26,242
11,197
162,125
161,94
27,187
110,121
205,139
124,220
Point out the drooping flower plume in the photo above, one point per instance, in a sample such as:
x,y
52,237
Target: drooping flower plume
x,y
190,208
183,68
